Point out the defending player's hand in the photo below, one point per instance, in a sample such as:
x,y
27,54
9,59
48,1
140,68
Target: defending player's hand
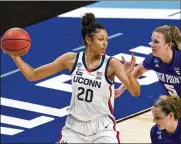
x,y
119,91
129,66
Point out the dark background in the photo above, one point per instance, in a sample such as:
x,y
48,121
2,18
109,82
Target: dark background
x,y
24,13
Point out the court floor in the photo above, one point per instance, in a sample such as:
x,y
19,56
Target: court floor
x,y
136,129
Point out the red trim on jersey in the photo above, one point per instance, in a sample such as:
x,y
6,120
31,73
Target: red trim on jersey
x,y
109,102
60,137
114,127
89,70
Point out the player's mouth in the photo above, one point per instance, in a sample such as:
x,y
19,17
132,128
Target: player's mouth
x,y
103,50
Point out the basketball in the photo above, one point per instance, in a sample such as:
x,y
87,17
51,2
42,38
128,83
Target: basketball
x,y
16,42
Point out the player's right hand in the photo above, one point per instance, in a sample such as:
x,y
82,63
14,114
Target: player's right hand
x,y
118,92
8,53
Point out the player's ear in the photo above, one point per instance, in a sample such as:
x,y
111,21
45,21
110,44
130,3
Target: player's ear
x,y
171,115
170,44
88,40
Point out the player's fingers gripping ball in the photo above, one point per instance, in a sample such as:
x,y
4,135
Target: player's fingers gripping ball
x,y
16,42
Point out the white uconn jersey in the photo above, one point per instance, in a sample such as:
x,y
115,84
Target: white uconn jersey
x,y
92,92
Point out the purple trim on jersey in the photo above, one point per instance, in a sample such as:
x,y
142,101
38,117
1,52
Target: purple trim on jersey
x,y
162,137
168,74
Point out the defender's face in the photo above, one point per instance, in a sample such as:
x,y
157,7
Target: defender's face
x,y
158,44
159,117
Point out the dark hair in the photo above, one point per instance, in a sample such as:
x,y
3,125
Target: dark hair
x,y
169,104
89,26
172,34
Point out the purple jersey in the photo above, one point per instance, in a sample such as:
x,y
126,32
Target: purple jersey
x,y
162,137
168,74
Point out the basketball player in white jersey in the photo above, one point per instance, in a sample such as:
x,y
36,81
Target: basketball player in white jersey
x,y
90,118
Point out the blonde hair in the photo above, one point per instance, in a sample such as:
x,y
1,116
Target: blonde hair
x,y
172,34
169,104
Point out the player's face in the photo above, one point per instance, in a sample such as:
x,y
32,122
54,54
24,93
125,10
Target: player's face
x,y
158,44
159,117
99,42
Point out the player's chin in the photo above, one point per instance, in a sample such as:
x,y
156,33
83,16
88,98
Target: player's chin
x,y
159,127
154,53
103,53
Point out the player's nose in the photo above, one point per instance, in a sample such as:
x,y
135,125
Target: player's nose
x,y
151,44
105,44
154,120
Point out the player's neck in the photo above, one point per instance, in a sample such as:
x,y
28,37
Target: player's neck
x,y
172,127
168,57
91,57
92,60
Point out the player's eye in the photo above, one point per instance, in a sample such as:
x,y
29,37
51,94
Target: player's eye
x,y
157,118
155,41
101,39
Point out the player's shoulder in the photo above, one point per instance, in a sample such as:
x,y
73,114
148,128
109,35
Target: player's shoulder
x,y
154,128
70,55
150,61
151,58
178,55
179,52
107,58
155,131
179,124
177,58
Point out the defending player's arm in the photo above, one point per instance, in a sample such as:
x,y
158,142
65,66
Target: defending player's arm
x,y
127,79
65,61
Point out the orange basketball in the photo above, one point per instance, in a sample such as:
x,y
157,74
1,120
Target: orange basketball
x,y
16,41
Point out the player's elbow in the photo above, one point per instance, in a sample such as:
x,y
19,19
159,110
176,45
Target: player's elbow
x,y
30,78
135,91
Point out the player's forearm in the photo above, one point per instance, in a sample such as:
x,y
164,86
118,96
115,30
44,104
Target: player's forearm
x,y
26,69
136,75
134,86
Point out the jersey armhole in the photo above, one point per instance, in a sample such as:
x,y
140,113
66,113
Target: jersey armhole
x,y
106,69
74,66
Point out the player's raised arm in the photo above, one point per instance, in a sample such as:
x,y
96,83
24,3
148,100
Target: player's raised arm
x,y
137,72
126,76
65,61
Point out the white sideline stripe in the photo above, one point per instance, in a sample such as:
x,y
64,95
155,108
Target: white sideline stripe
x,y
10,73
10,131
124,13
25,123
33,107
128,57
78,48
110,37
115,35
141,50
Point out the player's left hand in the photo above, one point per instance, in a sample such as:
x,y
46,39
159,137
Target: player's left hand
x,y
129,66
